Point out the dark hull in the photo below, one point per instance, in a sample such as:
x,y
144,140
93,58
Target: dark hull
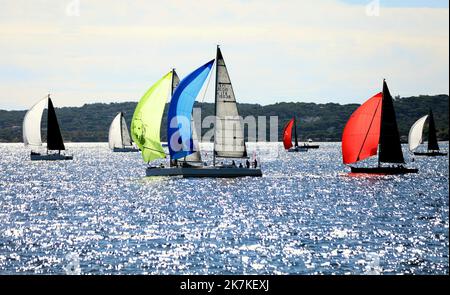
x,y
430,154
383,170
315,146
50,157
204,172
297,149
125,150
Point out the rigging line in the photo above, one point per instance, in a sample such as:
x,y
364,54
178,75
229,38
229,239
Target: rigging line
x,y
209,81
163,153
370,126
203,99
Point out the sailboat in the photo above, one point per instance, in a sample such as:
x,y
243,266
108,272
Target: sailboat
x,y
415,137
32,132
371,130
119,137
310,144
287,137
228,133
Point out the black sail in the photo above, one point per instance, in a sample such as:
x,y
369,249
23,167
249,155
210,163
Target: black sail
x,y
175,81
390,147
432,139
54,138
295,132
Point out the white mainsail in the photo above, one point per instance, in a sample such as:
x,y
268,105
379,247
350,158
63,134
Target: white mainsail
x,y
126,140
32,124
229,135
119,137
194,157
115,137
415,133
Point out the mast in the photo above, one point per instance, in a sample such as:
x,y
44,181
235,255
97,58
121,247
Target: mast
x,y
172,89
121,129
48,115
215,102
295,132
390,149
432,138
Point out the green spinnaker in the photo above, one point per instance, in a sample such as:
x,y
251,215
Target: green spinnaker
x,y
146,122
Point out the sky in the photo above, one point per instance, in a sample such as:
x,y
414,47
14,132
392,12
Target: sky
x,y
294,51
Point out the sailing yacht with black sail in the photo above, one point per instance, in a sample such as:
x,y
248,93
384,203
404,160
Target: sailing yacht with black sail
x,y
287,137
415,137
119,138
371,130
32,132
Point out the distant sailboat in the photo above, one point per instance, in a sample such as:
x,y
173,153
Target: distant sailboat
x,y
119,137
415,137
371,130
32,132
310,144
229,136
287,137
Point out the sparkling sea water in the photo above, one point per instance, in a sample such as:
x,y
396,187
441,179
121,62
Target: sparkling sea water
x,y
99,214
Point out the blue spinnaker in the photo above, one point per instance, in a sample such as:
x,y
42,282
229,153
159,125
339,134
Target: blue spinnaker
x,y
179,131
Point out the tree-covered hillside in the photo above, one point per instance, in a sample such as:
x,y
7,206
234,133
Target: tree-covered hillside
x,y
321,122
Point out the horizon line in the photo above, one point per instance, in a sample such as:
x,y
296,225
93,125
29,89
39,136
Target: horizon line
x,y
239,103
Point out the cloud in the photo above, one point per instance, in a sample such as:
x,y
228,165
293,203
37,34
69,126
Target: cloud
x,y
275,50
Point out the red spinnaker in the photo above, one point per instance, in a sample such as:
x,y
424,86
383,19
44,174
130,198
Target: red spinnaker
x,y
362,132
287,134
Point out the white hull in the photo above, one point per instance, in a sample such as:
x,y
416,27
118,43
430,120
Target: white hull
x,y
50,157
125,150
205,171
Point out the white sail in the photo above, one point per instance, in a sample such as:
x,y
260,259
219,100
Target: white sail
x,y
126,140
32,124
194,157
229,134
415,133
115,133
